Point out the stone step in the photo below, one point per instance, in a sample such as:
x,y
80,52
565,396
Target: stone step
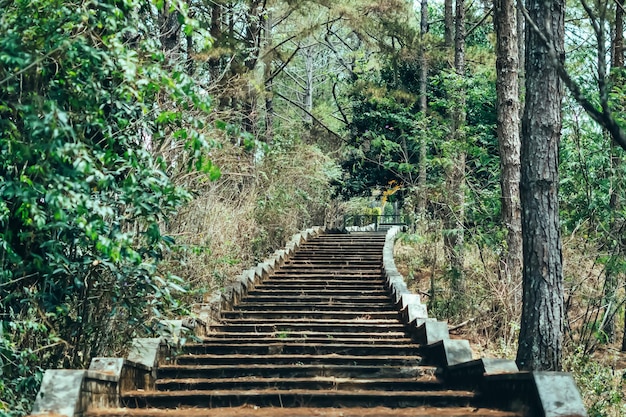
x,y
308,314
323,276
343,260
298,359
296,398
332,268
255,411
304,306
262,370
322,299
290,346
321,283
308,334
295,292
328,328
333,256
424,383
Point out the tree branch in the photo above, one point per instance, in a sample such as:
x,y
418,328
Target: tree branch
x,y
282,66
318,121
345,118
602,117
480,22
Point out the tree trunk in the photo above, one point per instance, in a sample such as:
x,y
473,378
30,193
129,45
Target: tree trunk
x,y
618,62
448,20
521,49
423,106
308,83
615,203
508,108
169,32
269,85
541,333
454,239
254,31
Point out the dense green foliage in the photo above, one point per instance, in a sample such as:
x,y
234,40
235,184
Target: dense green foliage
x,y
81,196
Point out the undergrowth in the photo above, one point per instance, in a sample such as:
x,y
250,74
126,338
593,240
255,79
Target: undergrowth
x,y
490,311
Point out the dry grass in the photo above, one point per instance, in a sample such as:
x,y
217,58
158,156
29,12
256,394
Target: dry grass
x,y
492,307
256,205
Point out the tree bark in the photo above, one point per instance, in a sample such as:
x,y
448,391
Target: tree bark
x,y
169,32
508,130
253,40
615,201
423,107
541,332
448,24
268,82
521,49
308,84
455,236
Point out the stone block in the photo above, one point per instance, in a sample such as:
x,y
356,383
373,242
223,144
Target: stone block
x,y
145,351
447,352
558,395
195,325
471,373
267,269
537,394
431,332
280,256
259,275
415,311
110,366
60,393
250,276
272,263
414,324
410,299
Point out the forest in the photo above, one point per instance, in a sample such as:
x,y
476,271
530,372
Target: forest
x,y
151,150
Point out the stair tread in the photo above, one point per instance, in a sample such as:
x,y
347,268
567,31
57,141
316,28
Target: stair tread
x,y
289,366
424,378
297,356
303,392
252,411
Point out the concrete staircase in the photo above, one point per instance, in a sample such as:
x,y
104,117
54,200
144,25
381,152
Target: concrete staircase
x,y
320,337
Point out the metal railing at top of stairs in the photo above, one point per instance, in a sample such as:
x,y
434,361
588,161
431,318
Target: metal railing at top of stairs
x,y
378,220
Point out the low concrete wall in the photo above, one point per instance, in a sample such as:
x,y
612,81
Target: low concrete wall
x,y
541,394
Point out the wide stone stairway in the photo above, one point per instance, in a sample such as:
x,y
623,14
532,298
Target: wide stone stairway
x,y
320,337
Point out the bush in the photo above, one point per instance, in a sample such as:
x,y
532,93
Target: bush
x,y
81,196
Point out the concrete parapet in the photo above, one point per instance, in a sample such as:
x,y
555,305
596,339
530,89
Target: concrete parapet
x,y
408,299
471,373
447,352
60,393
414,311
146,351
430,332
537,394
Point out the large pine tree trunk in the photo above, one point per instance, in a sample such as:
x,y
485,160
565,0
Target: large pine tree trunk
x,y
508,108
611,282
454,238
541,333
421,182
